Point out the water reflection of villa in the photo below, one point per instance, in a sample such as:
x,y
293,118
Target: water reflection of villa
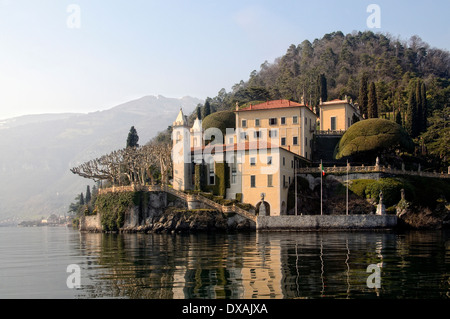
x,y
236,266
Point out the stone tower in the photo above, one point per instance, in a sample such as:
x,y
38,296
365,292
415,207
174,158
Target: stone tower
x,y
181,153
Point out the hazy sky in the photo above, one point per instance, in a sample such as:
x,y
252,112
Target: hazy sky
x,y
87,55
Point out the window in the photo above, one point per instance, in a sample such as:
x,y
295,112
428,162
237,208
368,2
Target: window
x,y
333,123
283,121
273,133
252,161
294,119
253,181
257,134
233,174
306,121
244,123
269,160
256,122
230,140
306,154
283,141
269,181
349,123
292,164
244,135
211,174
284,181
273,121
306,141
284,161
295,140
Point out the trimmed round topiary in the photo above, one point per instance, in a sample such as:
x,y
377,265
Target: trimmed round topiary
x,y
221,120
373,136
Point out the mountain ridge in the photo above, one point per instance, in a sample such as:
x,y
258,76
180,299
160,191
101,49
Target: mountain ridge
x,y
39,150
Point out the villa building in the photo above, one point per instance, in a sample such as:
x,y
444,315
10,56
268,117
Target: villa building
x,y
337,115
259,158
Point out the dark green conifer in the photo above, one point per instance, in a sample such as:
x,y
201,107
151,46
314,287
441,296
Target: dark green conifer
x,y
419,113
88,195
133,138
372,105
323,87
206,109
423,92
363,98
411,113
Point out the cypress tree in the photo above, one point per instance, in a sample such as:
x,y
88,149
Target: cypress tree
x,y
81,199
411,113
423,92
133,138
372,105
419,114
323,88
88,195
206,109
398,118
198,111
362,98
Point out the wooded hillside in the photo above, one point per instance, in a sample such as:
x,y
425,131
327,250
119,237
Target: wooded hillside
x,y
385,75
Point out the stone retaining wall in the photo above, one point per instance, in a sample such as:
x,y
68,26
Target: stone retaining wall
x,y
91,223
325,222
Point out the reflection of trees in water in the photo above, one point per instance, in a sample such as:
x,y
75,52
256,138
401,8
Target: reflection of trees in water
x,y
268,265
424,266
330,265
333,265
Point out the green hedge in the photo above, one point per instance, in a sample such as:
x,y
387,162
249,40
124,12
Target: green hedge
x,y
426,191
371,137
391,188
221,120
358,186
112,207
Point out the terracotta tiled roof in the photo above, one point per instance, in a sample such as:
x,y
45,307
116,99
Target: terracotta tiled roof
x,y
275,104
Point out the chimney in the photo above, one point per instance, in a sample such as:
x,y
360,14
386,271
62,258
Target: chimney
x,y
289,148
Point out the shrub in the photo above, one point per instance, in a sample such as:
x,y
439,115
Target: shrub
x,y
199,178
245,206
370,137
112,207
391,188
358,186
221,179
221,120
426,191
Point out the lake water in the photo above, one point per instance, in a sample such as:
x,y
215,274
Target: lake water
x,y
34,264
